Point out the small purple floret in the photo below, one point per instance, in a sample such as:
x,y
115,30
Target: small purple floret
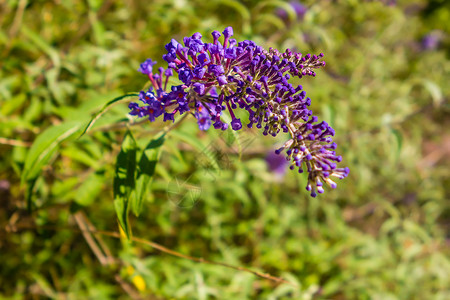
x,y
147,66
228,32
236,124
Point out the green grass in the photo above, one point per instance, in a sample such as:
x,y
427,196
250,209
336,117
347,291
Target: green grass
x,y
382,234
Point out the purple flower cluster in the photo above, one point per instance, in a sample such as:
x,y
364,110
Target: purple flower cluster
x,y
233,75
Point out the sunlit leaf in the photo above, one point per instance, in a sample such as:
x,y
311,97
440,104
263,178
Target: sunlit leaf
x,y
124,180
398,137
42,150
88,191
145,171
43,45
435,92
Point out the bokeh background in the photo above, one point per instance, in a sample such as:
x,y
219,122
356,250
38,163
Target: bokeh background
x,y
382,234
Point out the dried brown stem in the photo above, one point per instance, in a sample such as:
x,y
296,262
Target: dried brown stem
x,y
11,142
101,251
163,249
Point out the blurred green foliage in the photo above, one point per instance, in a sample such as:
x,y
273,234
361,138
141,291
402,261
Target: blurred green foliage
x,y
382,234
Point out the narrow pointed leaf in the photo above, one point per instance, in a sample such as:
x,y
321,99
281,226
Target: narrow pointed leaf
x,y
124,180
145,171
42,151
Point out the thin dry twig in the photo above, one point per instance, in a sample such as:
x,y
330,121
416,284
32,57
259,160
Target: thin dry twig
x,y
163,249
17,19
16,143
102,253
128,288
202,260
86,230
99,239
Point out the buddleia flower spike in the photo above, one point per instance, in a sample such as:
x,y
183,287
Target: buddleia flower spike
x,y
224,77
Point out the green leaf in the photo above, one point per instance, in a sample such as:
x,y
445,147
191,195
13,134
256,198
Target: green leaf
x,y
30,183
45,145
287,7
13,104
33,110
398,142
205,155
89,190
124,180
44,285
42,150
435,92
105,109
145,171
271,21
37,39
75,153
243,11
65,190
